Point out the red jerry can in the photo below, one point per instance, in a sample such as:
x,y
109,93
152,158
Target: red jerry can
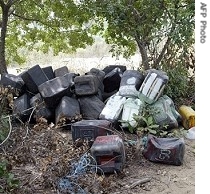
x,y
109,153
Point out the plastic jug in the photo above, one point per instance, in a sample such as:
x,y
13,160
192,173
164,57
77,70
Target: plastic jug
x,y
188,116
109,153
130,83
153,86
113,108
131,106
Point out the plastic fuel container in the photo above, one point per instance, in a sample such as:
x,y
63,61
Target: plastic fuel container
x,y
131,106
86,85
153,86
165,150
113,108
109,153
188,116
90,129
164,113
130,83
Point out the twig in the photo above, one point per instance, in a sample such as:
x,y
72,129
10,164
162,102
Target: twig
x,y
19,120
34,108
33,179
10,130
6,116
141,181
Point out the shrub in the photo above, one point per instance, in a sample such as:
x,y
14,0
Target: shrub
x,y
7,181
181,85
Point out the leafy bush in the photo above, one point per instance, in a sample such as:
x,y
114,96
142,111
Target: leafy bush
x,y
146,125
7,181
6,98
181,85
4,128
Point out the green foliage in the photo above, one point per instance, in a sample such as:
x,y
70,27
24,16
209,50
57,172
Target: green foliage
x,y
180,132
181,85
7,181
150,126
178,82
148,25
127,25
6,98
146,125
4,128
58,25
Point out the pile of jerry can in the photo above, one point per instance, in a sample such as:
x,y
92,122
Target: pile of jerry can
x,y
94,104
136,91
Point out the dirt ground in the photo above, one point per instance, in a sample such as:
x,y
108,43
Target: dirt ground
x,y
165,179
41,155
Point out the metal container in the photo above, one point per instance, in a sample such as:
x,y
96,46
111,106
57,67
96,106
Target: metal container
x,y
33,78
112,80
15,81
41,108
53,90
61,71
100,77
22,107
49,72
68,109
109,68
90,107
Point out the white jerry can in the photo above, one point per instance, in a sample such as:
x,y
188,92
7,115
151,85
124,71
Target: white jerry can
x,y
131,106
113,108
153,86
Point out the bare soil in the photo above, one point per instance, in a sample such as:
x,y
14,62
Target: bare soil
x,y
41,155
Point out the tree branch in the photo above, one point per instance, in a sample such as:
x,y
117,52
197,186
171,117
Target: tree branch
x,y
2,4
157,61
142,49
10,3
24,18
139,17
32,20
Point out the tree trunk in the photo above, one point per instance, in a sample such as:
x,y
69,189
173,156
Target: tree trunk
x,y
5,14
144,57
161,55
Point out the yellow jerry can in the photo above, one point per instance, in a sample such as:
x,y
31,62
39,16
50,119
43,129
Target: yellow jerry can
x,y
188,116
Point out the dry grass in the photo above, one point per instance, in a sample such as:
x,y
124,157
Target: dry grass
x,y
83,60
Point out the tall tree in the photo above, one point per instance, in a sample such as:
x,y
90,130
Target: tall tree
x,y
41,25
150,26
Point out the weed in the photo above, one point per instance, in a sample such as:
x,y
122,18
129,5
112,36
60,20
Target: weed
x,y
7,181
